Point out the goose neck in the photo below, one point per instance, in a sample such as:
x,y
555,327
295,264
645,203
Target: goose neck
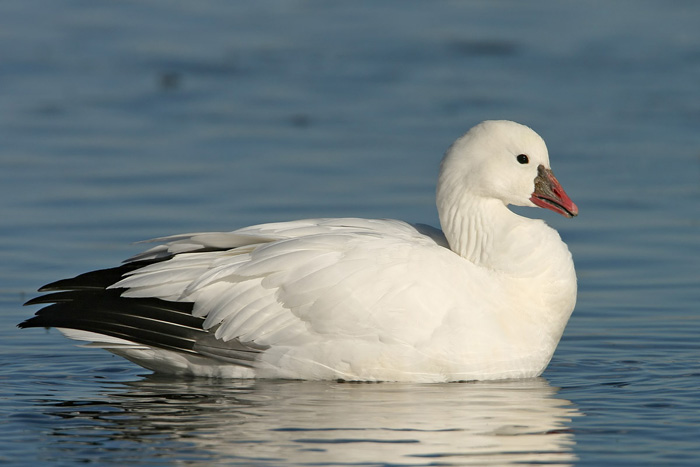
x,y
475,226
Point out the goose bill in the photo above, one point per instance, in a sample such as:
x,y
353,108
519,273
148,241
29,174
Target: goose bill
x,y
549,194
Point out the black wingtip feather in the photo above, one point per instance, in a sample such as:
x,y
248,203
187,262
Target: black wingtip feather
x,y
87,303
149,321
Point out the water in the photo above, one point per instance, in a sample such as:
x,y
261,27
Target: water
x,y
124,121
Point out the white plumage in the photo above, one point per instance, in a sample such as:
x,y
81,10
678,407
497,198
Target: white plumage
x,y
365,299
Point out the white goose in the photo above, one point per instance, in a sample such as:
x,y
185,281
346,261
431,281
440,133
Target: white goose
x,y
352,299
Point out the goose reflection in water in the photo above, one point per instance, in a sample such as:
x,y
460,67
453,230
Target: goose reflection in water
x,y
282,422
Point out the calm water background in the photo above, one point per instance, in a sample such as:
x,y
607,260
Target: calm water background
x,y
121,121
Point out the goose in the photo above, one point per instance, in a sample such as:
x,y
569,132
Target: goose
x,y
348,299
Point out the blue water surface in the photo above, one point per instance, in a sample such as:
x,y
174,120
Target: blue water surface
x,y
123,121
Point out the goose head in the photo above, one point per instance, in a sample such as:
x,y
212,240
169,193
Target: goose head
x,y
502,160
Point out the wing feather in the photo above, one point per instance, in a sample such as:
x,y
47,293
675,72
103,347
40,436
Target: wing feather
x,y
236,296
317,279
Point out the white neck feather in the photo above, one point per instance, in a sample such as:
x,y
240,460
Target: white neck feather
x,y
482,230
473,226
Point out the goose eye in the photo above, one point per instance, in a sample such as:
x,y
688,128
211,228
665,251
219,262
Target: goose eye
x,y
523,159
